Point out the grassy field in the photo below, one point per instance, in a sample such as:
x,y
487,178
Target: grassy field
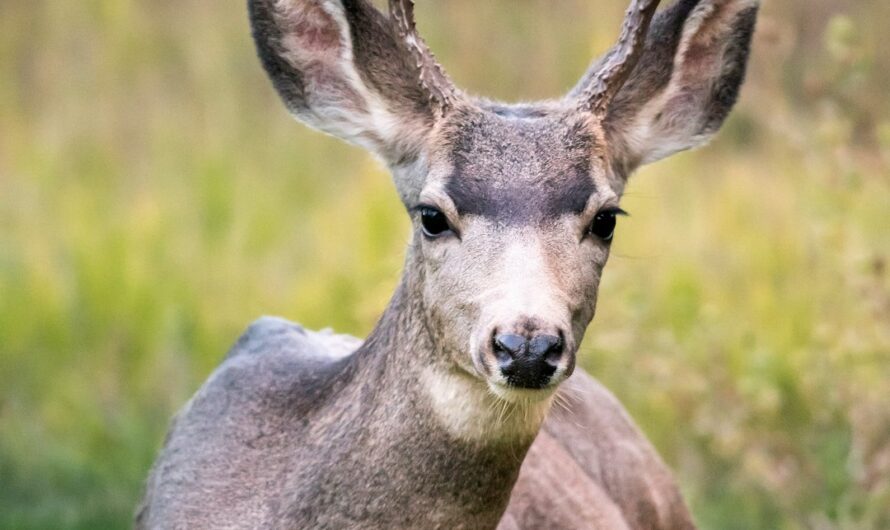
x,y
154,199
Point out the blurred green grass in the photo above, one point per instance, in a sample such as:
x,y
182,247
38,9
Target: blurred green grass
x,y
154,199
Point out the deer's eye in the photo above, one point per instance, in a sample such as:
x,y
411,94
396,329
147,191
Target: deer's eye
x,y
433,222
603,225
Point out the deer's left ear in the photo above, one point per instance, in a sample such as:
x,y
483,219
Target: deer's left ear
x,y
685,83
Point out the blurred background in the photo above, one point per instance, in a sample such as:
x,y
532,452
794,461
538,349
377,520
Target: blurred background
x,y
155,199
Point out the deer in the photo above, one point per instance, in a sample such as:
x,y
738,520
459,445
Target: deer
x,y
464,407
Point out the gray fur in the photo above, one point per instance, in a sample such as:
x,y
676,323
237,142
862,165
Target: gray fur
x,y
283,436
417,426
499,171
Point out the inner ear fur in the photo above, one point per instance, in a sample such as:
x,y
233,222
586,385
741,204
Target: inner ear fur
x,y
340,67
686,81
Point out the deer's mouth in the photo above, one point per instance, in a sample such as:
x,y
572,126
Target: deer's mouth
x,y
514,394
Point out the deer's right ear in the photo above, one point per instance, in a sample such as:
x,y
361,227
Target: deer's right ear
x,y
346,69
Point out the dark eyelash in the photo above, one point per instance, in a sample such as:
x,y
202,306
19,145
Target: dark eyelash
x,y
421,207
615,211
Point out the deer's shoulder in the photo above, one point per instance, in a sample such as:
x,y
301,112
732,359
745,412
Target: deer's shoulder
x,y
276,376
251,409
277,363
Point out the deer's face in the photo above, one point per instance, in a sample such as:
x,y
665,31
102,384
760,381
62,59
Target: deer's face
x,y
513,226
513,207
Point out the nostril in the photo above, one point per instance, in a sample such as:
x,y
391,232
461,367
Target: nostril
x,y
548,347
509,344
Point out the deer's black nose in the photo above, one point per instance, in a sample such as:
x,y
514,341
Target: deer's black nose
x,y
527,362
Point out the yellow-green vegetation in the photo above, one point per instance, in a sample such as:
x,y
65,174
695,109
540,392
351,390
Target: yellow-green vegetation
x,y
154,199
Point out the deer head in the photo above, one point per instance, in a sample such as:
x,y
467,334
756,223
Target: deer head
x,y
514,206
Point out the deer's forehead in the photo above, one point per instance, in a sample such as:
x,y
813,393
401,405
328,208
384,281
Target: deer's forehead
x,y
520,170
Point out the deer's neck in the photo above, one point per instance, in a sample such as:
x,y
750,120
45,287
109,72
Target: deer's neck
x,y
425,440
421,433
